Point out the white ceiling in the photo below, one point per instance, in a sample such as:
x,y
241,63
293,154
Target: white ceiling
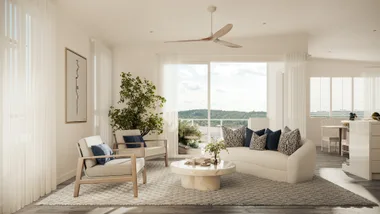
x,y
336,28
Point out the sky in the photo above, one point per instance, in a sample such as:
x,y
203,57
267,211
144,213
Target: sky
x,y
234,86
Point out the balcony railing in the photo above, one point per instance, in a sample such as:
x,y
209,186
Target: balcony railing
x,y
215,130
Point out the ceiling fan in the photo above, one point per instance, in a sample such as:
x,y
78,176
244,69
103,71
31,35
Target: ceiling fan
x,y
214,37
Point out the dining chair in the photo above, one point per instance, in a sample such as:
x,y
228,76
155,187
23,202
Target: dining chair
x,y
329,136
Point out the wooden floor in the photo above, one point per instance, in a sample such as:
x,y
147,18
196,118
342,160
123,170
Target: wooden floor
x,y
328,167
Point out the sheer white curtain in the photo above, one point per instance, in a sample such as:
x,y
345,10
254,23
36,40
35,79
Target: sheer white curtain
x,y
371,92
167,87
295,91
28,163
102,58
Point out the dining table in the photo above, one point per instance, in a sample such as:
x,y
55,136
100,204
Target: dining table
x,y
340,127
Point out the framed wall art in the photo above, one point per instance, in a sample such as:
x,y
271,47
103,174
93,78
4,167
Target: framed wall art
x,y
76,87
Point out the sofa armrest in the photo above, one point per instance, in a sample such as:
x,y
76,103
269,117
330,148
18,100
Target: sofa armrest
x,y
301,164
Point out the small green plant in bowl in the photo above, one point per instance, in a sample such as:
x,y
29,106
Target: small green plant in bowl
x,y
214,149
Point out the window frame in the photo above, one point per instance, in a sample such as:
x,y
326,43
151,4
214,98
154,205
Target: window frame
x,y
331,92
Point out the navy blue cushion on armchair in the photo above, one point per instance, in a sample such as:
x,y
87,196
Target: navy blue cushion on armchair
x,y
273,139
248,135
100,150
133,139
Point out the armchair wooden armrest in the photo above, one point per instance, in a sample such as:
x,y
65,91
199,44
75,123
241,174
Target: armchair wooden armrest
x,y
138,151
132,156
139,143
165,141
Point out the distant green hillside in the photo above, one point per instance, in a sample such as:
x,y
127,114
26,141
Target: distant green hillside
x,y
219,114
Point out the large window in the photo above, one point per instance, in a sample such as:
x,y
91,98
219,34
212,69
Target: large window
x,y
341,96
346,93
218,94
319,97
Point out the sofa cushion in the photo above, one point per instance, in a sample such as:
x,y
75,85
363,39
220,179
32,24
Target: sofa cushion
x,y
116,167
287,129
290,142
154,150
273,139
233,138
258,142
248,135
133,139
266,158
102,149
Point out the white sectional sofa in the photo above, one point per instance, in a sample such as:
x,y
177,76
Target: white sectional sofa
x,y
274,165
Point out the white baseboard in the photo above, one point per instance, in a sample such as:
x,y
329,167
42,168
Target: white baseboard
x,y
66,176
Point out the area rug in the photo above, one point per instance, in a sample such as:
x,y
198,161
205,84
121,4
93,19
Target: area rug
x,y
164,188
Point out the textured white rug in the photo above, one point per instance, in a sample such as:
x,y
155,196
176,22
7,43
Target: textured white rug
x,y
164,188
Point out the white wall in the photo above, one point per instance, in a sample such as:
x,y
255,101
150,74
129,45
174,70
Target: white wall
x,y
328,68
71,36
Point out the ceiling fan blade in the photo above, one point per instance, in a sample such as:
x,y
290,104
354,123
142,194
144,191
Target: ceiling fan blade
x,y
223,31
192,40
228,44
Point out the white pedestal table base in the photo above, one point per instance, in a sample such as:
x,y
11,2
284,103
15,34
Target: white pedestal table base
x,y
204,183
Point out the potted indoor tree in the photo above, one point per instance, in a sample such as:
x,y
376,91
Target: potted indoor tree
x,y
214,149
139,106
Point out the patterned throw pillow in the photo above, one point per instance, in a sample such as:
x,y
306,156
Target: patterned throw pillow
x,y
287,129
289,142
258,142
233,138
248,135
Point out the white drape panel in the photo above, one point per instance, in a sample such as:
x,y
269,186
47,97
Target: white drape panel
x,y
168,65
295,91
28,162
371,92
102,58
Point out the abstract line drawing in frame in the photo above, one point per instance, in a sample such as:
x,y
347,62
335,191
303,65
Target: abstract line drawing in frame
x,y
76,87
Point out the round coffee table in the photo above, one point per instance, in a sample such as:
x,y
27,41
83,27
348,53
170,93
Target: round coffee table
x,y
202,177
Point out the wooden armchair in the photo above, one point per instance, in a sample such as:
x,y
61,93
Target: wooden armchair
x,y
121,169
156,148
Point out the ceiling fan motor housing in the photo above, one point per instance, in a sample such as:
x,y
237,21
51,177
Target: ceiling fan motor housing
x,y
211,8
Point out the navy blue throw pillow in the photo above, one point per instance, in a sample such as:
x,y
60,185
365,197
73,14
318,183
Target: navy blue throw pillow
x,y
134,139
273,138
102,149
248,135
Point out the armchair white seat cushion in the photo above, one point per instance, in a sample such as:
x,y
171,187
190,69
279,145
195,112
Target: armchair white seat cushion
x,y
116,167
156,148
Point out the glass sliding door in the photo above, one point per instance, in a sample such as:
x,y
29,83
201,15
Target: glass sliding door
x,y
192,105
238,91
214,94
